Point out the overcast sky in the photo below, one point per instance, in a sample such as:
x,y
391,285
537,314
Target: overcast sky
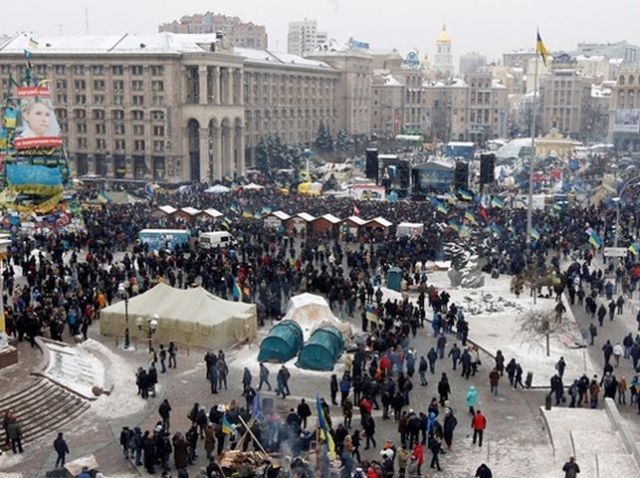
x,y
488,26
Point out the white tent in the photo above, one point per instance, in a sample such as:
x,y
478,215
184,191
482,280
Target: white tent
x,y
217,189
252,187
312,311
191,317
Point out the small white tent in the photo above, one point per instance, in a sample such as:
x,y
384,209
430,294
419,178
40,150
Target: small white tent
x,y
191,317
312,311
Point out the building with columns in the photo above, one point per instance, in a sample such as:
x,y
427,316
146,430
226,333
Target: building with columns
x,y
170,107
624,115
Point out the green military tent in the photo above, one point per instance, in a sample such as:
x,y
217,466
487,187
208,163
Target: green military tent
x,y
322,350
282,343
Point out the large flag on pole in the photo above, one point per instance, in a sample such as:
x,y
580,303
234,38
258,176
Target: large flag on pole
x,y
324,428
541,49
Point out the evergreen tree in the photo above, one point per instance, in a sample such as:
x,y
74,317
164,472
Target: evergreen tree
x,y
324,140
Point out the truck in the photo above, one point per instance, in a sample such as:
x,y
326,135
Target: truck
x,y
158,239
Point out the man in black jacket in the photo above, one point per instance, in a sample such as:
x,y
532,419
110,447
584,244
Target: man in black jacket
x,y
61,448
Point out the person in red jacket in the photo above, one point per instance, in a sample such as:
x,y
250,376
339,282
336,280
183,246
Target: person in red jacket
x,y
478,423
418,455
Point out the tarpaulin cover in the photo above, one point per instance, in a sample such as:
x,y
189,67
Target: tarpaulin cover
x,y
282,343
322,350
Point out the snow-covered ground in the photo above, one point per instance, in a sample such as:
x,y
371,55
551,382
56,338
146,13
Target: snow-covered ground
x,y
500,328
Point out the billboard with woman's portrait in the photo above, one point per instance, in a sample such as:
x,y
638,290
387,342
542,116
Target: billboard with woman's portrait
x,y
37,128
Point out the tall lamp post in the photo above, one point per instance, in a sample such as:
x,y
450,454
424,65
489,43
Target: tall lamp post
x,y
629,182
152,325
124,295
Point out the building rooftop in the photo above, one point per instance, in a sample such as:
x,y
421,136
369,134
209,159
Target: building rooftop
x,y
165,42
282,59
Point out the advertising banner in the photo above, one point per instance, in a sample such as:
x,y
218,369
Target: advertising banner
x,y
627,121
37,127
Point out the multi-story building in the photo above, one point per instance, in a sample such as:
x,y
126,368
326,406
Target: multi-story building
x,y
287,96
595,67
565,99
176,107
446,105
598,113
241,34
488,107
443,59
471,62
518,59
628,53
304,37
624,118
386,104
354,86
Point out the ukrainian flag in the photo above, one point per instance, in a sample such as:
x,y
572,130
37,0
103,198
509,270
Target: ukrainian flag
x,y
247,215
535,235
595,240
470,217
497,202
237,292
541,49
465,195
442,208
634,248
451,198
227,427
324,429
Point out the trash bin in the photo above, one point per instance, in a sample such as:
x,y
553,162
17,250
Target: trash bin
x,y
547,402
529,380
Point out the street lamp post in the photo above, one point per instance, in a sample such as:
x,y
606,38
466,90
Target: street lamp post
x,y
152,325
124,294
629,182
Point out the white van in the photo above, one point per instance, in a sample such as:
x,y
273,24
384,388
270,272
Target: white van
x,y
215,239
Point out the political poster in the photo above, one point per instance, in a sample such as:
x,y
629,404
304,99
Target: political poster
x,y
37,128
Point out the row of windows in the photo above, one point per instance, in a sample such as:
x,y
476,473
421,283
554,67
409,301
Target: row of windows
x,y
118,129
136,115
139,145
119,100
118,85
95,70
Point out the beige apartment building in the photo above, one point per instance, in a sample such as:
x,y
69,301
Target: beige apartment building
x,y
387,105
446,110
172,107
241,34
488,107
624,117
565,99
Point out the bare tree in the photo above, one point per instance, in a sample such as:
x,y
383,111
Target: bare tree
x,y
544,323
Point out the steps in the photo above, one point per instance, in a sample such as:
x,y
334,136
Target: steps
x,y
42,408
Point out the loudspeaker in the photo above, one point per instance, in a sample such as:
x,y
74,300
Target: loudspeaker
x,y
371,166
487,168
461,176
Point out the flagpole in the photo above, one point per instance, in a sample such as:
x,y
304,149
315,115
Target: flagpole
x,y
534,115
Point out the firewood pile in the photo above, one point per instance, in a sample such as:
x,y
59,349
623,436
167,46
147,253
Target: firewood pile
x,y
235,460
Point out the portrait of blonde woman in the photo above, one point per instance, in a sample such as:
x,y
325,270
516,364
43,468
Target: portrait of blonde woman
x,y
38,119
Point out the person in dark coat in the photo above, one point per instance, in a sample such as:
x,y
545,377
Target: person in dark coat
x,y
454,353
304,412
334,389
449,425
432,356
436,449
180,451
61,448
571,468
149,447
483,471
164,410
444,389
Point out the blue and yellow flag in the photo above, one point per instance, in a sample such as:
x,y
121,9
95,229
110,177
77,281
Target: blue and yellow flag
x,y
324,429
497,202
595,240
470,217
535,235
227,427
541,49
465,195
451,198
237,291
634,248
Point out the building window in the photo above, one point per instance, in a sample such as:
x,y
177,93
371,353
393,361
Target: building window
x,y
137,115
138,130
79,114
118,129
101,128
82,143
118,86
79,70
137,70
41,70
98,70
138,145
118,100
117,70
98,99
60,70
158,146
81,99
61,99
117,114
137,85
157,100
81,128
61,84
157,115
80,85
6,69
120,144
157,85
138,100
157,70
98,114
158,130
99,85
101,144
